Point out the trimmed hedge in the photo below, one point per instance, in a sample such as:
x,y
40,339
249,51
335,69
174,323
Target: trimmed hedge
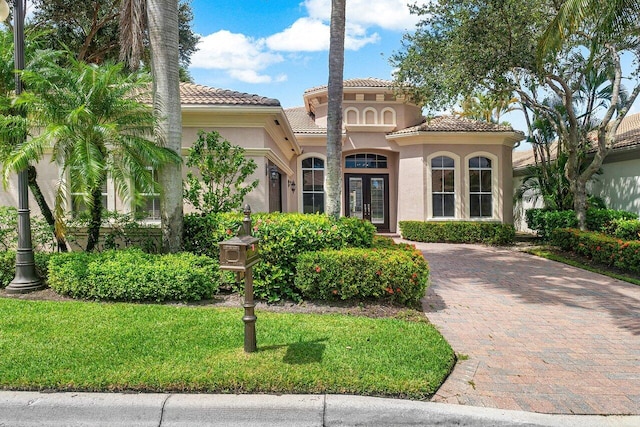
x,y
283,236
398,275
545,221
8,266
458,232
599,247
132,275
625,229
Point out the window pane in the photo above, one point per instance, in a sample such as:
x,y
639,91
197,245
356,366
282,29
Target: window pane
x,y
449,205
437,181
350,162
436,162
318,163
484,162
307,203
486,205
474,181
437,205
318,203
318,180
474,205
447,162
486,181
307,180
448,178
474,162
307,163
382,164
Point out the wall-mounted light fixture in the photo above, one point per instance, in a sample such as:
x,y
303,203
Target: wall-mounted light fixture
x,y
273,173
292,184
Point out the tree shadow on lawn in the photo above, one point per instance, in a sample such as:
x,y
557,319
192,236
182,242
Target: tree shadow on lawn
x,y
301,352
531,279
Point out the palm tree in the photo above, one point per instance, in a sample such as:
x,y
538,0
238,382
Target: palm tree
x,y
91,118
162,20
13,126
488,107
334,113
604,17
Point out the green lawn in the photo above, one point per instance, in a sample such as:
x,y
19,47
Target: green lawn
x,y
116,347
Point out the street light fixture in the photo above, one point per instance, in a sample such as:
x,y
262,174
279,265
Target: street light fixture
x,y
26,278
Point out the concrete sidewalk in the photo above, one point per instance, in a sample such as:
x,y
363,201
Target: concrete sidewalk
x,y
26,409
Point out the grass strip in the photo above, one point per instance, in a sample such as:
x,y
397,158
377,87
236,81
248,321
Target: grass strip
x,y
83,346
555,256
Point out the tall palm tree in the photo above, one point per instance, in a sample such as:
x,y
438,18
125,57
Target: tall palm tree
x,y
605,17
161,19
90,117
334,113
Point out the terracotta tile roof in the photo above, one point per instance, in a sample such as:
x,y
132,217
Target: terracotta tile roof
x,y
193,94
302,122
627,136
448,123
369,82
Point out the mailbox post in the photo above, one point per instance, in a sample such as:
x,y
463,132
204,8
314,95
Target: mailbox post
x,y
240,254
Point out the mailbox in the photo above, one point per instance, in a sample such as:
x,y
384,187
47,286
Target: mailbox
x,y
239,253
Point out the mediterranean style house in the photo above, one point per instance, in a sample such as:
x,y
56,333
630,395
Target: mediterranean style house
x,y
618,183
397,165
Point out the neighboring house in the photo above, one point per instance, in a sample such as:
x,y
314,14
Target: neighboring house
x,y
618,184
396,165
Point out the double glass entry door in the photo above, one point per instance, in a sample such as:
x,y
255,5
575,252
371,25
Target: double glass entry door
x,y
368,198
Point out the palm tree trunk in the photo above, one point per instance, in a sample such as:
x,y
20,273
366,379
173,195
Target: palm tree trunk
x,y
96,219
162,16
334,113
32,176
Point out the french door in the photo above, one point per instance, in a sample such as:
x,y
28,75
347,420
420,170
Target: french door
x,y
367,197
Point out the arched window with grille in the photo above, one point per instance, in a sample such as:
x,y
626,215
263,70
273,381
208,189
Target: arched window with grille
x,y
480,187
443,186
312,185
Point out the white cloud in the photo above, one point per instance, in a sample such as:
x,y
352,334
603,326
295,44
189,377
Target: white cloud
x,y
312,35
386,14
243,57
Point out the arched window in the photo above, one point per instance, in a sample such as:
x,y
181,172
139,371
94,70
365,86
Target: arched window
x,y
365,160
480,187
313,185
443,186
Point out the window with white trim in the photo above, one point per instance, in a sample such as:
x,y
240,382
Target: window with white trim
x,y
480,187
149,208
443,187
313,185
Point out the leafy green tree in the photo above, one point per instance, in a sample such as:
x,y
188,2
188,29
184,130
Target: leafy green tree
x,y
223,170
470,46
92,29
334,113
91,118
161,17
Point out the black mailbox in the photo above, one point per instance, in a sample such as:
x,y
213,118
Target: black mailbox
x,y
239,253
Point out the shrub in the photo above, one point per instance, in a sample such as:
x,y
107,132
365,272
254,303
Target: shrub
x,y
600,219
132,275
42,236
458,232
8,266
398,275
625,229
599,247
282,237
545,221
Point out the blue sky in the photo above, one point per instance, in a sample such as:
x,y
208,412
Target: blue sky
x,y
279,48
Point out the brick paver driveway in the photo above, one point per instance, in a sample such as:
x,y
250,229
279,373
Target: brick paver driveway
x,y
539,335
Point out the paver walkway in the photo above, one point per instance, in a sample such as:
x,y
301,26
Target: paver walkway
x,y
539,335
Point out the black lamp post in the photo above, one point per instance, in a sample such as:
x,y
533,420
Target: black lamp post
x,y
26,278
